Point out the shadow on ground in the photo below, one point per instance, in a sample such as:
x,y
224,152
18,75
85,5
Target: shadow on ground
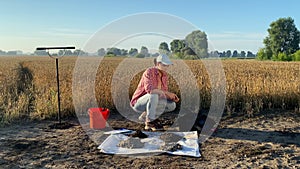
x,y
284,137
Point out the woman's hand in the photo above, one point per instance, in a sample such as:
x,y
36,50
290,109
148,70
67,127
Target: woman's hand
x,y
172,96
176,98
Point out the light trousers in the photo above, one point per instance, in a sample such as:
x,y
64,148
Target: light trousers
x,y
153,105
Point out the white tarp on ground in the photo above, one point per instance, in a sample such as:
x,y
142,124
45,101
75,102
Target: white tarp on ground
x,y
152,143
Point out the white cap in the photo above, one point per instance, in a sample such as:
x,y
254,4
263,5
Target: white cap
x,y
164,59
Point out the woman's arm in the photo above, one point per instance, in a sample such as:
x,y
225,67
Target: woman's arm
x,y
166,94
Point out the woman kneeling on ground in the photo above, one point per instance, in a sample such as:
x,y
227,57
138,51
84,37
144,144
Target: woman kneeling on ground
x,y
152,98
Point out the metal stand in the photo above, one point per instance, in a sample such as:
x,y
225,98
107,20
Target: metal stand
x,y
57,74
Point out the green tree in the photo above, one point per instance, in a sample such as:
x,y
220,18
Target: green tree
x,y
214,54
250,54
235,53
133,52
228,53
114,51
264,54
187,51
197,41
296,56
243,54
144,51
164,48
79,52
40,53
261,54
177,45
282,57
222,54
61,52
101,52
283,37
124,52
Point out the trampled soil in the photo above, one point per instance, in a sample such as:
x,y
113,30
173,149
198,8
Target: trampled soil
x,y
271,140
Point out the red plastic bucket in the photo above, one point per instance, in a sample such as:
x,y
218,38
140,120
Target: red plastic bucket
x,y
98,117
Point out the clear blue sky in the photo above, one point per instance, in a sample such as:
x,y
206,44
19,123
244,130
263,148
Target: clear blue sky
x,y
229,24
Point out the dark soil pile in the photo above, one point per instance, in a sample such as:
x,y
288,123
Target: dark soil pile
x,y
171,147
138,133
170,137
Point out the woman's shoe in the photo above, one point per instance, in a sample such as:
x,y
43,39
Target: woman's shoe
x,y
153,126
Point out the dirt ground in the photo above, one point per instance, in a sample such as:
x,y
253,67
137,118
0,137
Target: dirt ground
x,y
270,140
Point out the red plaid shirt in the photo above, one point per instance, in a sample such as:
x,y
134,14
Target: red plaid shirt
x,y
149,82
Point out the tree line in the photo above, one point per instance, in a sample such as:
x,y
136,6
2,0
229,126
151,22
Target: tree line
x,y
194,46
282,44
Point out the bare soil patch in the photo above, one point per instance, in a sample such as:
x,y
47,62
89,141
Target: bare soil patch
x,y
270,140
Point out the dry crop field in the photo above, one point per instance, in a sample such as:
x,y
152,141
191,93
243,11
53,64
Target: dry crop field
x,y
28,86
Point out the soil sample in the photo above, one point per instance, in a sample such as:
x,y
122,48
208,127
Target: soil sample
x,y
170,137
139,134
171,147
131,143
